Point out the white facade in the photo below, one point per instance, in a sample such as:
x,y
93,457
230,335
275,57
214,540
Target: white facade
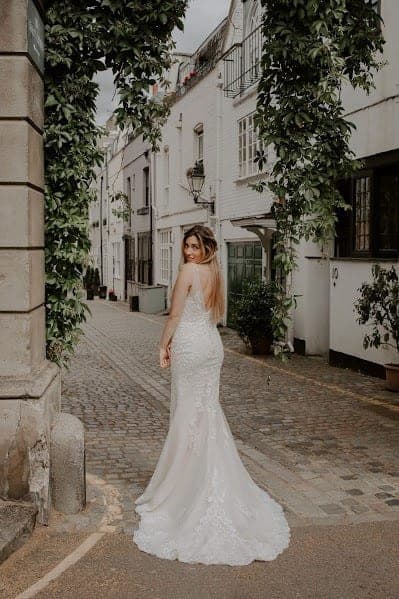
x,y
377,135
189,135
211,123
105,224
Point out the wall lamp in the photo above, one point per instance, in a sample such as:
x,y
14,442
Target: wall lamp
x,y
196,178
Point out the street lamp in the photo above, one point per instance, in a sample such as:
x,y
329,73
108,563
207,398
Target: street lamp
x,y
196,177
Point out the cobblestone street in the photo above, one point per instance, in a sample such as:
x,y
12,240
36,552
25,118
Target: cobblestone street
x,y
323,441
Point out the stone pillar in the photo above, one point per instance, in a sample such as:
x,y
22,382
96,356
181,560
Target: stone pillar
x,y
29,384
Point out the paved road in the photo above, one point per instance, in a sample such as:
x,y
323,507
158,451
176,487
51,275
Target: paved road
x,y
323,441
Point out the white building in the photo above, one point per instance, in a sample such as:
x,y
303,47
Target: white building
x,y
370,233
213,98
105,222
190,136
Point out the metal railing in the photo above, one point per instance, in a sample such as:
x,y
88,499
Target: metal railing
x,y
242,64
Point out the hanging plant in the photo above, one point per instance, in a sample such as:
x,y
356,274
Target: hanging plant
x,y
310,48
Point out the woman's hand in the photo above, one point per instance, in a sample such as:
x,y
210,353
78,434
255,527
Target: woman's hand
x,y
164,357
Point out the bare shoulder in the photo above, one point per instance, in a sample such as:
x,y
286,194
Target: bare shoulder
x,y
187,267
186,272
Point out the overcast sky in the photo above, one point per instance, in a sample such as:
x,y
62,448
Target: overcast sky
x,y
201,18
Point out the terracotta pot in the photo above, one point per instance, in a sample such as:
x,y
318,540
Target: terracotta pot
x,y
260,345
392,377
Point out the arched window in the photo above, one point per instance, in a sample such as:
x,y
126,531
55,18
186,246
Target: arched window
x,y
252,46
254,18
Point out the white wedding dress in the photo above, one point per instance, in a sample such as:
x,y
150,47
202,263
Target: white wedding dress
x,y
201,505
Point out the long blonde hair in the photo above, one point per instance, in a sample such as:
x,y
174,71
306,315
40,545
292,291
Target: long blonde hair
x,y
209,247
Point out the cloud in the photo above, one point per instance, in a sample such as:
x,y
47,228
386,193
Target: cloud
x,y
202,17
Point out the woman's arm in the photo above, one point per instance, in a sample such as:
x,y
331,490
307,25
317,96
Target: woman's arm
x,y
180,291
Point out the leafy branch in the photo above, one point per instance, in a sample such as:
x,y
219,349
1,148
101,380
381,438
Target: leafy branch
x,y
310,49
133,38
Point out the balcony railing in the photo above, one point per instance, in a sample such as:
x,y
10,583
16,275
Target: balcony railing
x,y
242,64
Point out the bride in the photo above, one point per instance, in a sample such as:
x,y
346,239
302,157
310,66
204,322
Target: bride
x,y
201,505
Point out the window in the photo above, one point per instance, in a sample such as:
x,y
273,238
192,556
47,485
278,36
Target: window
x,y
129,200
199,143
248,146
116,257
165,251
146,186
130,259
371,228
362,204
144,263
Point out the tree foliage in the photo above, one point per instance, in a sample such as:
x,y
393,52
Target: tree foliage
x,y
133,38
311,48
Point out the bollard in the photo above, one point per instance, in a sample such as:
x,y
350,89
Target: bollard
x,y
68,479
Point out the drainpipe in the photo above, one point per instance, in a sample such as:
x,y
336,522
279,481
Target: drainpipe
x,y
101,230
219,133
151,277
153,181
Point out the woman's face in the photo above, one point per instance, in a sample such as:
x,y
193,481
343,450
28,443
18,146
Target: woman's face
x,y
192,250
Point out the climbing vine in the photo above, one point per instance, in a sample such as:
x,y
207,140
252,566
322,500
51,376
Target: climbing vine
x,y
133,38
311,49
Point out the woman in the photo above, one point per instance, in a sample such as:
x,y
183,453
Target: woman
x,y
201,505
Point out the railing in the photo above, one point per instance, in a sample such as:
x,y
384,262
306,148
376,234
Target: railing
x,y
242,64
192,75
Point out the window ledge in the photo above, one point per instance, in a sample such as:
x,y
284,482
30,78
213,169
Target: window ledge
x,y
364,259
248,93
143,210
253,177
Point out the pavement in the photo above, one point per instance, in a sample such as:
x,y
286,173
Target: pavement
x,y
322,441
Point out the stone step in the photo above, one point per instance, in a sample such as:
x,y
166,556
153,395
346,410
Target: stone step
x,y
17,520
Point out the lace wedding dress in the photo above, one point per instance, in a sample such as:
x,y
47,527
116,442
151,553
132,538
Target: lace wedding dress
x,y
201,505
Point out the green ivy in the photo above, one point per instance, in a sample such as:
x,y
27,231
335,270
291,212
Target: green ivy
x,y
133,38
311,47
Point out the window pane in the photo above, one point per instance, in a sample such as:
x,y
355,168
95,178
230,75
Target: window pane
x,y
388,210
362,214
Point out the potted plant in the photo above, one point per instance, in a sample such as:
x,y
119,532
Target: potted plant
x,y
102,292
378,307
253,314
112,295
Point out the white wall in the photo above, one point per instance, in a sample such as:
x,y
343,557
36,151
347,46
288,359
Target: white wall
x,y
112,231
346,335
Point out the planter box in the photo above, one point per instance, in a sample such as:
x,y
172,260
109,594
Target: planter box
x,y
392,377
151,298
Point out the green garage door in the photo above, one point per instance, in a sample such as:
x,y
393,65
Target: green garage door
x,y
244,262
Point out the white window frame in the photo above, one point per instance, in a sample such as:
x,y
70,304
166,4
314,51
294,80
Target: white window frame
x,y
199,143
116,259
248,145
165,256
